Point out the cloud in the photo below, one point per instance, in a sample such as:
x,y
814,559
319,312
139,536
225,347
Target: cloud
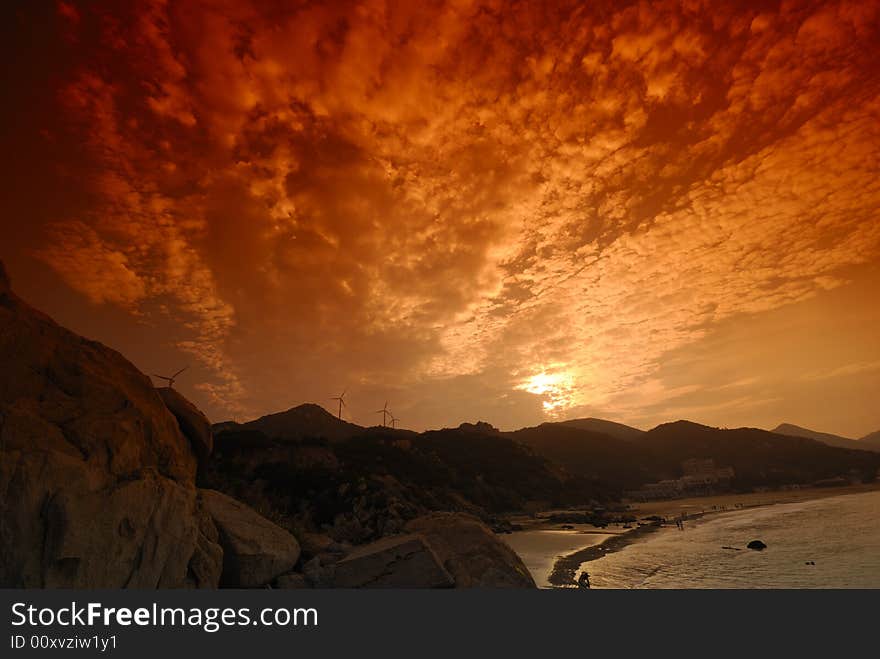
x,y
368,193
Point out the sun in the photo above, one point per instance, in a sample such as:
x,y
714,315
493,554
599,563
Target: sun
x,y
556,385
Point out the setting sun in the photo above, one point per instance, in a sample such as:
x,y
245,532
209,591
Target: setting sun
x,y
556,388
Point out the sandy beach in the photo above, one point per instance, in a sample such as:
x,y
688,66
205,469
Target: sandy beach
x,y
672,508
555,555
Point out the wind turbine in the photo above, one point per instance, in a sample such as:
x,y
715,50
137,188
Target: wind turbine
x,y
171,379
341,399
394,420
384,412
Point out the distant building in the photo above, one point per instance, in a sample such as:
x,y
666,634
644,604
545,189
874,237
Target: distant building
x,y
700,477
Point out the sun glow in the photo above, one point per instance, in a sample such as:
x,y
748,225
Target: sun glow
x,y
556,387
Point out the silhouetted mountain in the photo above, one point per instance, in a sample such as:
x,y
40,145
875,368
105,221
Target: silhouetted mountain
x,y
610,428
867,443
479,427
371,484
759,457
680,426
871,441
826,438
301,422
587,454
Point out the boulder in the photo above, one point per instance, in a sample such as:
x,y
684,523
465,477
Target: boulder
x,y
292,581
318,574
315,543
96,479
206,564
255,550
192,422
471,552
757,545
403,561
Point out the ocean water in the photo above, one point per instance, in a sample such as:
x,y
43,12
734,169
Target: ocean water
x,y
539,549
841,535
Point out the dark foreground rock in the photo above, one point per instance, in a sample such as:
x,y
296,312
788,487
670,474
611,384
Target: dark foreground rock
x,y
404,561
757,545
469,550
255,550
193,423
96,479
292,581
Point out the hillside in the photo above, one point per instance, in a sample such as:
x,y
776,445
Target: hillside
x,y
792,430
586,453
868,443
759,457
610,428
871,441
369,485
301,422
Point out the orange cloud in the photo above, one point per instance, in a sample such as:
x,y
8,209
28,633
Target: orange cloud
x,y
379,192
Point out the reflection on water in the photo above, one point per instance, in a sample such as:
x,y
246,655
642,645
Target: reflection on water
x,y
539,548
841,535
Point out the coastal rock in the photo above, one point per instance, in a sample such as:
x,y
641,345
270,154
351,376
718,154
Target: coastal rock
x,y
319,575
96,479
193,423
471,552
313,544
255,550
404,561
292,581
206,563
757,545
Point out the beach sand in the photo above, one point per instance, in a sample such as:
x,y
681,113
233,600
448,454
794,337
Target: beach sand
x,y
557,563
672,508
541,548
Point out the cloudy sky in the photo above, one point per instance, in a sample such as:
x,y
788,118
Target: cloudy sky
x,y
476,210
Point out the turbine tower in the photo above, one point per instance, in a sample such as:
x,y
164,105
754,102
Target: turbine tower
x,y
341,399
170,380
384,412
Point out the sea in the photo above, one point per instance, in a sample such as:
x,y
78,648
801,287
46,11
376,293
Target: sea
x,y
824,543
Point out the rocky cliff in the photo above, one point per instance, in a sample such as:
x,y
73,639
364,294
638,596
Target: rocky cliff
x,y
98,489
97,481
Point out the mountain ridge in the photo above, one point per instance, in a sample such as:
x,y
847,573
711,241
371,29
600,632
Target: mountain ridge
x,y
871,441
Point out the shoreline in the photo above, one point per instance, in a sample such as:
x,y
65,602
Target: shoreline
x,y
565,568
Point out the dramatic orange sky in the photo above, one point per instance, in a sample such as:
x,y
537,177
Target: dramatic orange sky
x,y
504,211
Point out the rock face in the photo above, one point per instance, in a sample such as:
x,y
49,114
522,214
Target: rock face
x,y
255,550
757,545
292,581
193,424
96,480
404,561
471,552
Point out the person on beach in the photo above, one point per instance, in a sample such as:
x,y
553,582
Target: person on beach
x,y
584,580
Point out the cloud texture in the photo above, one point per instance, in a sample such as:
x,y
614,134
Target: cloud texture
x,y
528,205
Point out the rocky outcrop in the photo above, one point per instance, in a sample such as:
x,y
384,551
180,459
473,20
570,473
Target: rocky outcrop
x,y
314,544
292,581
206,564
404,561
96,480
192,422
255,550
471,552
